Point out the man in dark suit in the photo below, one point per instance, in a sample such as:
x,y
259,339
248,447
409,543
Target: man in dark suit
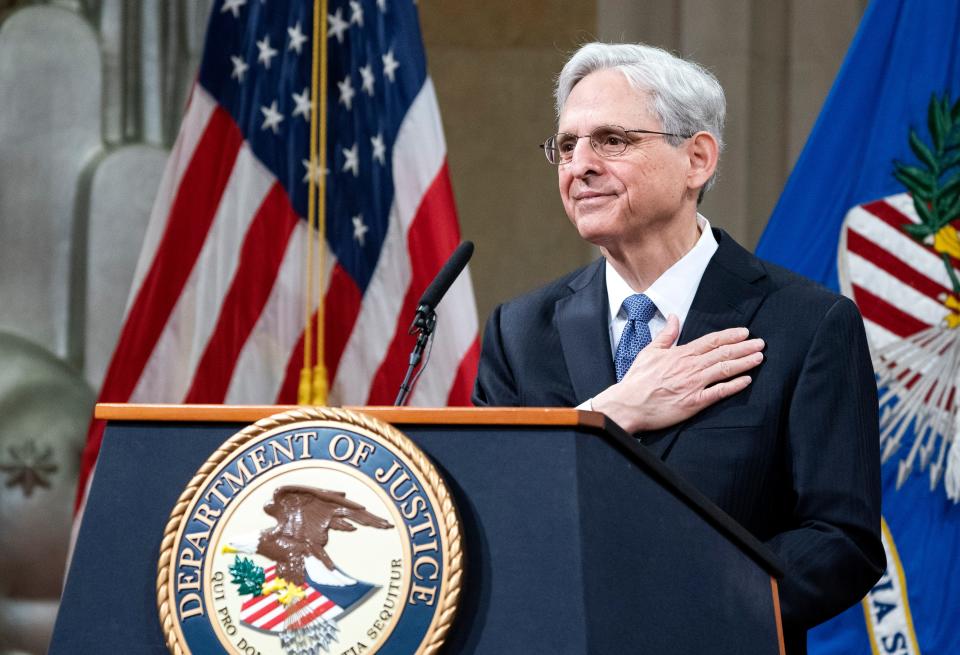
x,y
655,334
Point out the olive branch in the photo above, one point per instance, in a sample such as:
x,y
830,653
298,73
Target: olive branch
x,y
935,186
247,576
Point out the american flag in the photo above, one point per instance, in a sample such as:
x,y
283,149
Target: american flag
x,y
217,306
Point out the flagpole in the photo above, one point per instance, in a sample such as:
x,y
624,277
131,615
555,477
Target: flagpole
x,y
305,391
319,386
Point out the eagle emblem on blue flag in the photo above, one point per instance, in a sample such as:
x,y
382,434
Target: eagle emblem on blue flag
x,y
899,258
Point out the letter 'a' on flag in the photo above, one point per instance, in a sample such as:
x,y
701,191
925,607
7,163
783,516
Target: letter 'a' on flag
x,y
219,302
872,208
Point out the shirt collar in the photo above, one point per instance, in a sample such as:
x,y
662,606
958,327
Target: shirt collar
x,y
674,290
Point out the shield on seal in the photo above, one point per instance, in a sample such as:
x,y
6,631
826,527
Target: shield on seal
x,y
320,601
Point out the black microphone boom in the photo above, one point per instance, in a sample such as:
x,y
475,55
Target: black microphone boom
x,y
457,262
426,317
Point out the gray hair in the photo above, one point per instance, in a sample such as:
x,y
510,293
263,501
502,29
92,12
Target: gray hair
x,y
683,95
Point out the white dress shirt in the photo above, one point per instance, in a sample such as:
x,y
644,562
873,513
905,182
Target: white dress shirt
x,y
672,292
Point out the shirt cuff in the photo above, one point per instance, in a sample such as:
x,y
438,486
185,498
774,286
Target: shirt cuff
x,y
586,405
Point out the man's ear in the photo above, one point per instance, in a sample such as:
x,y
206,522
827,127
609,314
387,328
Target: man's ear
x,y
704,153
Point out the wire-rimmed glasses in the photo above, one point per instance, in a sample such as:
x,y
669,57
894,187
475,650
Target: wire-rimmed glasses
x,y
606,141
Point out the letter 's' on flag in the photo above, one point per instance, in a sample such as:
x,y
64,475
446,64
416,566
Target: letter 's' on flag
x,y
218,305
872,208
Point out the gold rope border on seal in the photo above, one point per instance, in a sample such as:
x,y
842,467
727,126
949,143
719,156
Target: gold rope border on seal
x,y
451,584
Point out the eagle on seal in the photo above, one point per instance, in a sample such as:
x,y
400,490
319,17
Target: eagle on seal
x,y
304,516
297,546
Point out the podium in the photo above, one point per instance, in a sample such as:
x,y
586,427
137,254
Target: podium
x,y
577,539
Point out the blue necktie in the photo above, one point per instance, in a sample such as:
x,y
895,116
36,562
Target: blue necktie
x,y
636,334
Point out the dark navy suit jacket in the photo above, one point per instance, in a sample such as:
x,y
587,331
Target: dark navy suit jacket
x,y
794,458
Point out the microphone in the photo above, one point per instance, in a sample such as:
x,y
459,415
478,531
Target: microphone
x,y
450,271
426,317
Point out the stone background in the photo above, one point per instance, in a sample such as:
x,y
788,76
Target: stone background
x,y
90,98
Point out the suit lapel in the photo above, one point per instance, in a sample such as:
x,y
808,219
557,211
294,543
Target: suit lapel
x,y
727,297
582,322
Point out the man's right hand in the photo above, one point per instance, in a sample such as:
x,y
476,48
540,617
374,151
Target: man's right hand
x,y
667,384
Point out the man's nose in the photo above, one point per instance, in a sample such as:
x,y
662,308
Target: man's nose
x,y
584,159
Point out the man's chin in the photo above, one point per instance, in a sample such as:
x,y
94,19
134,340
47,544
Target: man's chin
x,y
595,229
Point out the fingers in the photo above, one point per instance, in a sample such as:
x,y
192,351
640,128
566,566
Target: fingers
x,y
727,368
731,351
715,340
718,392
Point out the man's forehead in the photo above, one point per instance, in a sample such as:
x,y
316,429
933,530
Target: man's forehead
x,y
604,97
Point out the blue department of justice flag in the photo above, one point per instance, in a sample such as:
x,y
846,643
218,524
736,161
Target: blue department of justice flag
x,y
872,209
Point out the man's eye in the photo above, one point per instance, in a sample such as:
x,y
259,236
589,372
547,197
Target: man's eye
x,y
613,140
566,146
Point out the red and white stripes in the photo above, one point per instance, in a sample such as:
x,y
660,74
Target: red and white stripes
x,y
216,309
267,613
897,282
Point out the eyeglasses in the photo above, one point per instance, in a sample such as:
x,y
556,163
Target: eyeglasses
x,y
606,140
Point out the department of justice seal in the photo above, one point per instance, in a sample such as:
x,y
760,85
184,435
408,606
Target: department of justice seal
x,y
312,531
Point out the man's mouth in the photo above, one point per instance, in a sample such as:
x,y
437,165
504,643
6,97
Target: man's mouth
x,y
589,195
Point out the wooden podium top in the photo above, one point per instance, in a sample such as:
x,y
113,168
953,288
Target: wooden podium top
x,y
394,415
